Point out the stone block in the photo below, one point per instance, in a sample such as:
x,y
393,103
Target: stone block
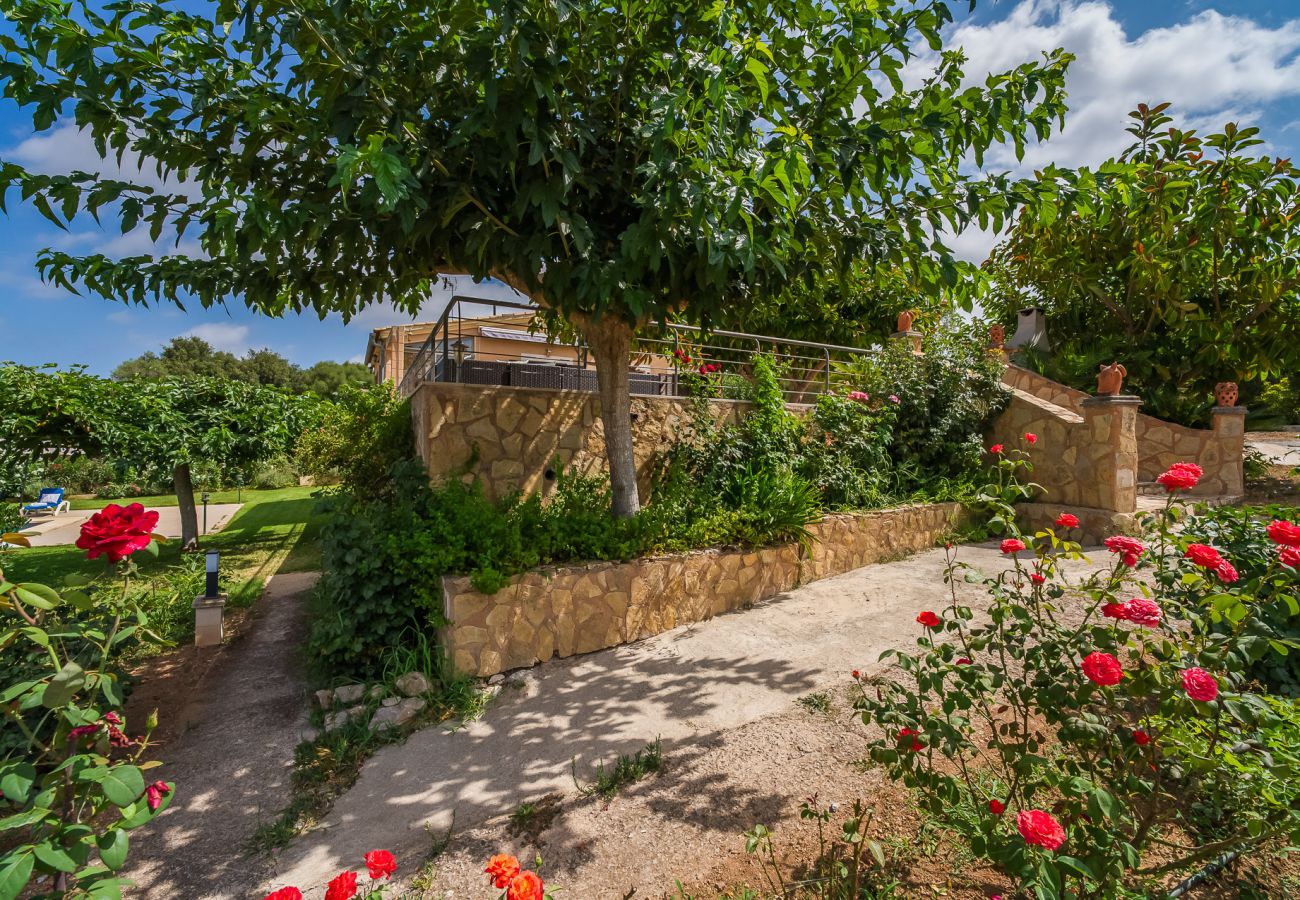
x,y
349,693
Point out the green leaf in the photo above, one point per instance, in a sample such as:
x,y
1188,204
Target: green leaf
x,y
15,872
112,848
55,857
64,686
122,785
23,819
16,780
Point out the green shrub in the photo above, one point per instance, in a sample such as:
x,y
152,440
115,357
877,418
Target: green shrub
x,y
1241,533
361,436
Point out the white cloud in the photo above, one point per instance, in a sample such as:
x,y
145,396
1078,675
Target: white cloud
x,y
233,338
381,314
1213,68
66,148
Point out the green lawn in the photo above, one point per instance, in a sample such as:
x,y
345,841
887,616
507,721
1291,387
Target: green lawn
x,y
275,531
244,496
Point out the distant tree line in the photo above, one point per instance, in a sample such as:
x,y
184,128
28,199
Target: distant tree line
x,y
188,357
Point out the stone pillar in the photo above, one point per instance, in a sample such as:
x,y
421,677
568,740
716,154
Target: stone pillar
x,y
208,615
1108,464
912,337
1229,425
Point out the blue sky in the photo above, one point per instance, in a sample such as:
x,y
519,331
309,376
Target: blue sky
x,y
1216,60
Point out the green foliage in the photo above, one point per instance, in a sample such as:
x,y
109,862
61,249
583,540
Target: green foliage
x,y
71,798
358,438
627,769
189,357
1241,533
1181,259
1007,693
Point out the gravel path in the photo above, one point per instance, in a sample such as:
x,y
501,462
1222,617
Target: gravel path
x,y
720,694
232,761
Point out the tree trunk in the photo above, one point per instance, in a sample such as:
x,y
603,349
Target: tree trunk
x,y
185,502
610,341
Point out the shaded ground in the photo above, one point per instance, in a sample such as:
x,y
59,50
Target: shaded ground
x,y
237,714
722,695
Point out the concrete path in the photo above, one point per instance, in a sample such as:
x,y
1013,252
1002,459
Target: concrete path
x,y
232,763
65,529
1278,449
687,687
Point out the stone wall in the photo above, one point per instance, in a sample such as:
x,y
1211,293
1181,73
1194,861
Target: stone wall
x,y
1082,459
524,436
1218,450
577,609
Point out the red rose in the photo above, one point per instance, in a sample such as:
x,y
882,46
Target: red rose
x,y
344,887
1180,477
1102,668
928,619
1128,549
1204,555
996,448
1031,438
526,886
1115,611
1012,545
155,792
380,864
117,531
997,807
1200,684
501,869
856,674
1289,556
963,661
1067,520
284,893
1142,611
904,734
1283,532
1140,737
1226,571
1040,829
1037,578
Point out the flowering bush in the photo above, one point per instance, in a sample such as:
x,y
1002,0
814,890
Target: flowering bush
x,y
79,784
1103,712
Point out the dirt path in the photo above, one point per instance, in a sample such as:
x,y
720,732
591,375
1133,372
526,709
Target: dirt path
x,y
231,758
720,694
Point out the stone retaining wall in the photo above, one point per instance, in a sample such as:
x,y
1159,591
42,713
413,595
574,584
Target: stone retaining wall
x,y
524,436
1218,450
561,611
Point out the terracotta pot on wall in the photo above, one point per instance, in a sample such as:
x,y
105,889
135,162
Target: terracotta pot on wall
x,y
905,320
997,337
1225,393
1110,379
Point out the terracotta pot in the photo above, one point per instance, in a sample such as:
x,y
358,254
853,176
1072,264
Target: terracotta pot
x,y
1225,393
905,320
1110,379
997,337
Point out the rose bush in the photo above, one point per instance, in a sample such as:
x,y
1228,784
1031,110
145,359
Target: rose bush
x,y
77,786
1103,715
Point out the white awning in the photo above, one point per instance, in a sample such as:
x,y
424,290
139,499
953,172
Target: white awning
x,y
511,334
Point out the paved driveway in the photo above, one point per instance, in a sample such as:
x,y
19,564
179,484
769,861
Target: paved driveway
x,y
58,530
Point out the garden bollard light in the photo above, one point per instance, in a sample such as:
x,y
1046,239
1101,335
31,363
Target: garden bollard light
x,y
209,609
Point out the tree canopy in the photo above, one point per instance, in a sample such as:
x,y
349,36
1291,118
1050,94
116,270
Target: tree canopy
x,y
166,424
622,162
189,356
1180,258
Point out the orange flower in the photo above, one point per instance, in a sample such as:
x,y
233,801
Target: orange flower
x,y
526,886
502,868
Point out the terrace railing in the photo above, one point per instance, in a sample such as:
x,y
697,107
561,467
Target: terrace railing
x,y
666,363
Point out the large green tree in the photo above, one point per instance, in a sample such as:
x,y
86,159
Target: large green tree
x,y
1180,258
621,162
165,424
186,357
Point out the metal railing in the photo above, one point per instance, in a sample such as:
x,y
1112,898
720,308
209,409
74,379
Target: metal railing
x,y
670,363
